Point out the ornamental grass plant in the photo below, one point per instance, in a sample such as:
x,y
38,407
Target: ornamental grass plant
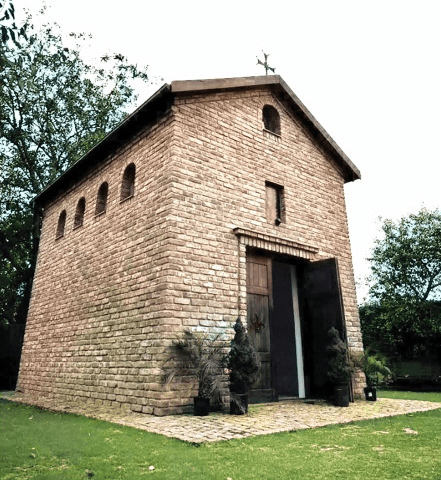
x,y
198,357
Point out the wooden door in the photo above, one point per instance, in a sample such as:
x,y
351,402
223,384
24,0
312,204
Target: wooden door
x,y
259,296
325,310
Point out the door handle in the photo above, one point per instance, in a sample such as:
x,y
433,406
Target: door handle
x,y
256,324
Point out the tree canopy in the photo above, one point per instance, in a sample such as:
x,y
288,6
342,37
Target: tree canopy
x,y
403,314
406,262
8,28
54,107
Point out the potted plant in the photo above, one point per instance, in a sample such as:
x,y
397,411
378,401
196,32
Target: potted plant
x,y
199,356
339,368
243,365
375,370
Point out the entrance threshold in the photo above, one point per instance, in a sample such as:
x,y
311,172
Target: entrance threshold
x,y
288,398
310,401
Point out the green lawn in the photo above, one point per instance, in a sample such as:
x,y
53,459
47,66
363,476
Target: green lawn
x,y
37,444
426,396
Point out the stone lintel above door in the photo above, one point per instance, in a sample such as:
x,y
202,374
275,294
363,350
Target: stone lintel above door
x,y
275,244
269,243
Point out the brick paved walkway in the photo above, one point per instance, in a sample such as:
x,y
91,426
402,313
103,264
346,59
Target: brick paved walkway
x,y
261,420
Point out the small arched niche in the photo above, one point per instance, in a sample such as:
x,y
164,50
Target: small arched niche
x,y
79,212
128,182
271,119
61,224
101,199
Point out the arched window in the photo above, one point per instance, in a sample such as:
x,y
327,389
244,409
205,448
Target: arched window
x,y
101,199
61,224
271,119
128,182
79,212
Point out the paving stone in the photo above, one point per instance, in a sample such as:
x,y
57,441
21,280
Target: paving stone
x,y
262,419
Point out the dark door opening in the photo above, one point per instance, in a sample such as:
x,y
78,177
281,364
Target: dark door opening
x,y
283,341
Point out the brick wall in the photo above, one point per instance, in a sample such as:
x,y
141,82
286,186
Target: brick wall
x,y
223,161
98,311
108,296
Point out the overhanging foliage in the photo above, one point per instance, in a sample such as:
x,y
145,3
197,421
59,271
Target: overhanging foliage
x,y
53,108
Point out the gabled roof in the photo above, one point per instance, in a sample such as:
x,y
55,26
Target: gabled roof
x,y
279,87
159,104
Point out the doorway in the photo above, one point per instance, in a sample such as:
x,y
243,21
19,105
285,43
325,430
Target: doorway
x,y
285,332
291,304
274,326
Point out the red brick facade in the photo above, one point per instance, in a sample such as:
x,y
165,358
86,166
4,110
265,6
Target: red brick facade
x,y
109,295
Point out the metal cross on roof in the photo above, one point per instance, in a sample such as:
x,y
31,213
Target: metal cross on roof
x,y
265,64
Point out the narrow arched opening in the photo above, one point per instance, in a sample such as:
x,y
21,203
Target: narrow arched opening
x,y
61,224
79,212
101,199
271,119
128,182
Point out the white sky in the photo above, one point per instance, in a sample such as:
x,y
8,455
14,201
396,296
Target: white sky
x,y
369,71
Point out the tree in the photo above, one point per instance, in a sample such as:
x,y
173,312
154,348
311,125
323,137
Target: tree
x,y
403,314
406,263
339,369
402,327
243,364
53,108
8,29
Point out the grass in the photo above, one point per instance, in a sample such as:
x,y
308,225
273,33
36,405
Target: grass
x,y
426,396
36,444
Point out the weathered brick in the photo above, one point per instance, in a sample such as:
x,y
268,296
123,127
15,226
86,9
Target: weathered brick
x,y
108,296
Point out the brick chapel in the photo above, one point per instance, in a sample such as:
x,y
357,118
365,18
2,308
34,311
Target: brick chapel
x,y
214,199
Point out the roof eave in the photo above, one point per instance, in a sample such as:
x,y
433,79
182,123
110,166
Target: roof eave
x,y
353,173
150,110
161,101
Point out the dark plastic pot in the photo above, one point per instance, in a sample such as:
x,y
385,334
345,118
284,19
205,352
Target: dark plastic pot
x,y
201,406
371,394
341,396
236,409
